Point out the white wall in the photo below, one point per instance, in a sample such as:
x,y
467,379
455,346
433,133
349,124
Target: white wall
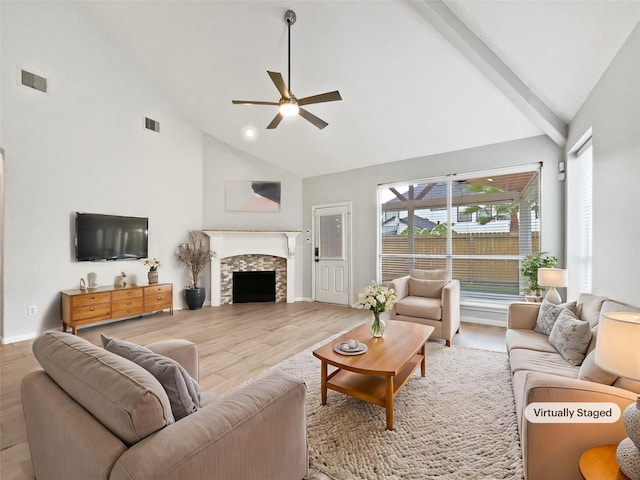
x,y
613,111
82,147
360,187
223,162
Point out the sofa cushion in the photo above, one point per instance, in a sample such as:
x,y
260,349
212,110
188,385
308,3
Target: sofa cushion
x,y
426,288
571,336
528,339
544,362
182,390
421,307
123,396
589,307
433,274
610,306
548,314
589,370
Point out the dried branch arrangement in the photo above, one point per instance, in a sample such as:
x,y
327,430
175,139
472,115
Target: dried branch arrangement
x,y
195,254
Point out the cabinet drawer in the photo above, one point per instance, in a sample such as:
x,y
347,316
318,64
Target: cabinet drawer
x,y
90,299
91,311
125,294
128,312
125,304
158,302
157,290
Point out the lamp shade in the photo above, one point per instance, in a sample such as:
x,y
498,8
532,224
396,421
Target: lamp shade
x,y
618,344
553,277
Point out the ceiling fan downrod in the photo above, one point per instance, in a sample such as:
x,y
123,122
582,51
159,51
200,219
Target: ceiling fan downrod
x,y
290,19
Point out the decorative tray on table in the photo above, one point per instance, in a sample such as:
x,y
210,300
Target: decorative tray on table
x,y
343,348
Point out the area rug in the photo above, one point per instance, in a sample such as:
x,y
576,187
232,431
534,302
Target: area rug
x,y
457,422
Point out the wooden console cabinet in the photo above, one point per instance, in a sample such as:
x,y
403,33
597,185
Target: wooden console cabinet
x,y
82,307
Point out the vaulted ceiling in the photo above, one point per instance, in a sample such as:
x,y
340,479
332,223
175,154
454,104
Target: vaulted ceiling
x,y
416,77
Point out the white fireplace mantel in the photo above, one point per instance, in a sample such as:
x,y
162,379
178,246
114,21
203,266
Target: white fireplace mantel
x,y
230,243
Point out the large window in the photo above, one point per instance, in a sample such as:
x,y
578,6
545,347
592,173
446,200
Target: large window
x,y
477,226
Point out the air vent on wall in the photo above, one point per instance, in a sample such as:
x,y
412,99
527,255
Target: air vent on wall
x,y
151,124
34,81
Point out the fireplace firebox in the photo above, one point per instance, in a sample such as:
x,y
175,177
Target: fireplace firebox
x,y
254,286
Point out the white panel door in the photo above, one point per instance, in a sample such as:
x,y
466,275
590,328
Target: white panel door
x,y
331,249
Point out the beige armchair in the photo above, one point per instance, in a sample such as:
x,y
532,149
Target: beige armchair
x,y
429,297
91,414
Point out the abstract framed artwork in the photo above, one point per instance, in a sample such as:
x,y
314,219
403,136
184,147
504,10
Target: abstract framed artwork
x,y
252,196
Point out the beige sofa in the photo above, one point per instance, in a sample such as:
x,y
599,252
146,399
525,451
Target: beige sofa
x,y
91,414
429,297
541,374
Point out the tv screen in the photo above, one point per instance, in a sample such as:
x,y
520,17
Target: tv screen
x,y
110,237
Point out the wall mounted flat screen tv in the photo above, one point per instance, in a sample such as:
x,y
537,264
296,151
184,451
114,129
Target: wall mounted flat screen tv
x,y
111,237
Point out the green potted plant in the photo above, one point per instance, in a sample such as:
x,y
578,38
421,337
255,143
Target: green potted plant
x,y
529,272
196,255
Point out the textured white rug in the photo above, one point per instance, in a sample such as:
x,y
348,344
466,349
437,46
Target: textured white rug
x,y
458,422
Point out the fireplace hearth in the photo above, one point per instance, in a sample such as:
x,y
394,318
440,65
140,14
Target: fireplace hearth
x,y
254,286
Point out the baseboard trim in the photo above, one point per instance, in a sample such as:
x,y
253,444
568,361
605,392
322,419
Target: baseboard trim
x,y
18,338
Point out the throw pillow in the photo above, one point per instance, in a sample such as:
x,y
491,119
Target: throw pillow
x,y
426,288
593,373
182,390
548,314
589,307
571,337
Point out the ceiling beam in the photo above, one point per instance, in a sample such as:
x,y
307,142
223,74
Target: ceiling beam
x,y
492,67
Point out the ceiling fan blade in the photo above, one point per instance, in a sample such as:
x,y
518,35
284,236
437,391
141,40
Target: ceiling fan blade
x,y
252,102
278,81
276,120
318,122
323,97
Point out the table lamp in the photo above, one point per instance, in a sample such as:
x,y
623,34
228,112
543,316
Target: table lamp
x,y
618,351
552,278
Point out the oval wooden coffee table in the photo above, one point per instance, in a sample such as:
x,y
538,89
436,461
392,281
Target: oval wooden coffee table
x,y
377,375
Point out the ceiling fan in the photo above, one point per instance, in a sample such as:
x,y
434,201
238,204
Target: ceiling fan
x,y
289,105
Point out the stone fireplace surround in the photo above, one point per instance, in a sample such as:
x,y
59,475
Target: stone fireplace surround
x,y
251,243
252,263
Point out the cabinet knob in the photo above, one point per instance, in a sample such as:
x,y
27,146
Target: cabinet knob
x,y
92,309
159,298
93,298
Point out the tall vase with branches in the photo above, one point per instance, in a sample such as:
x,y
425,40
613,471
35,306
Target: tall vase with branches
x,y
196,255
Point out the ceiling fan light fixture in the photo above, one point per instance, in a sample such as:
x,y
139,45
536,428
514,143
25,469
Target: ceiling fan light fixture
x,y
289,108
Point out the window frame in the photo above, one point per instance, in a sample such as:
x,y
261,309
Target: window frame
x,y
447,258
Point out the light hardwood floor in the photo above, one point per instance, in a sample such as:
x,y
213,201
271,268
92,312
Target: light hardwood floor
x,y
236,342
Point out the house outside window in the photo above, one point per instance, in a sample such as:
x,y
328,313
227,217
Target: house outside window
x,y
477,226
463,217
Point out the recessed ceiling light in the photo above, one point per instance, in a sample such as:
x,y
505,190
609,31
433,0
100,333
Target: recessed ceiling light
x,y
249,133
